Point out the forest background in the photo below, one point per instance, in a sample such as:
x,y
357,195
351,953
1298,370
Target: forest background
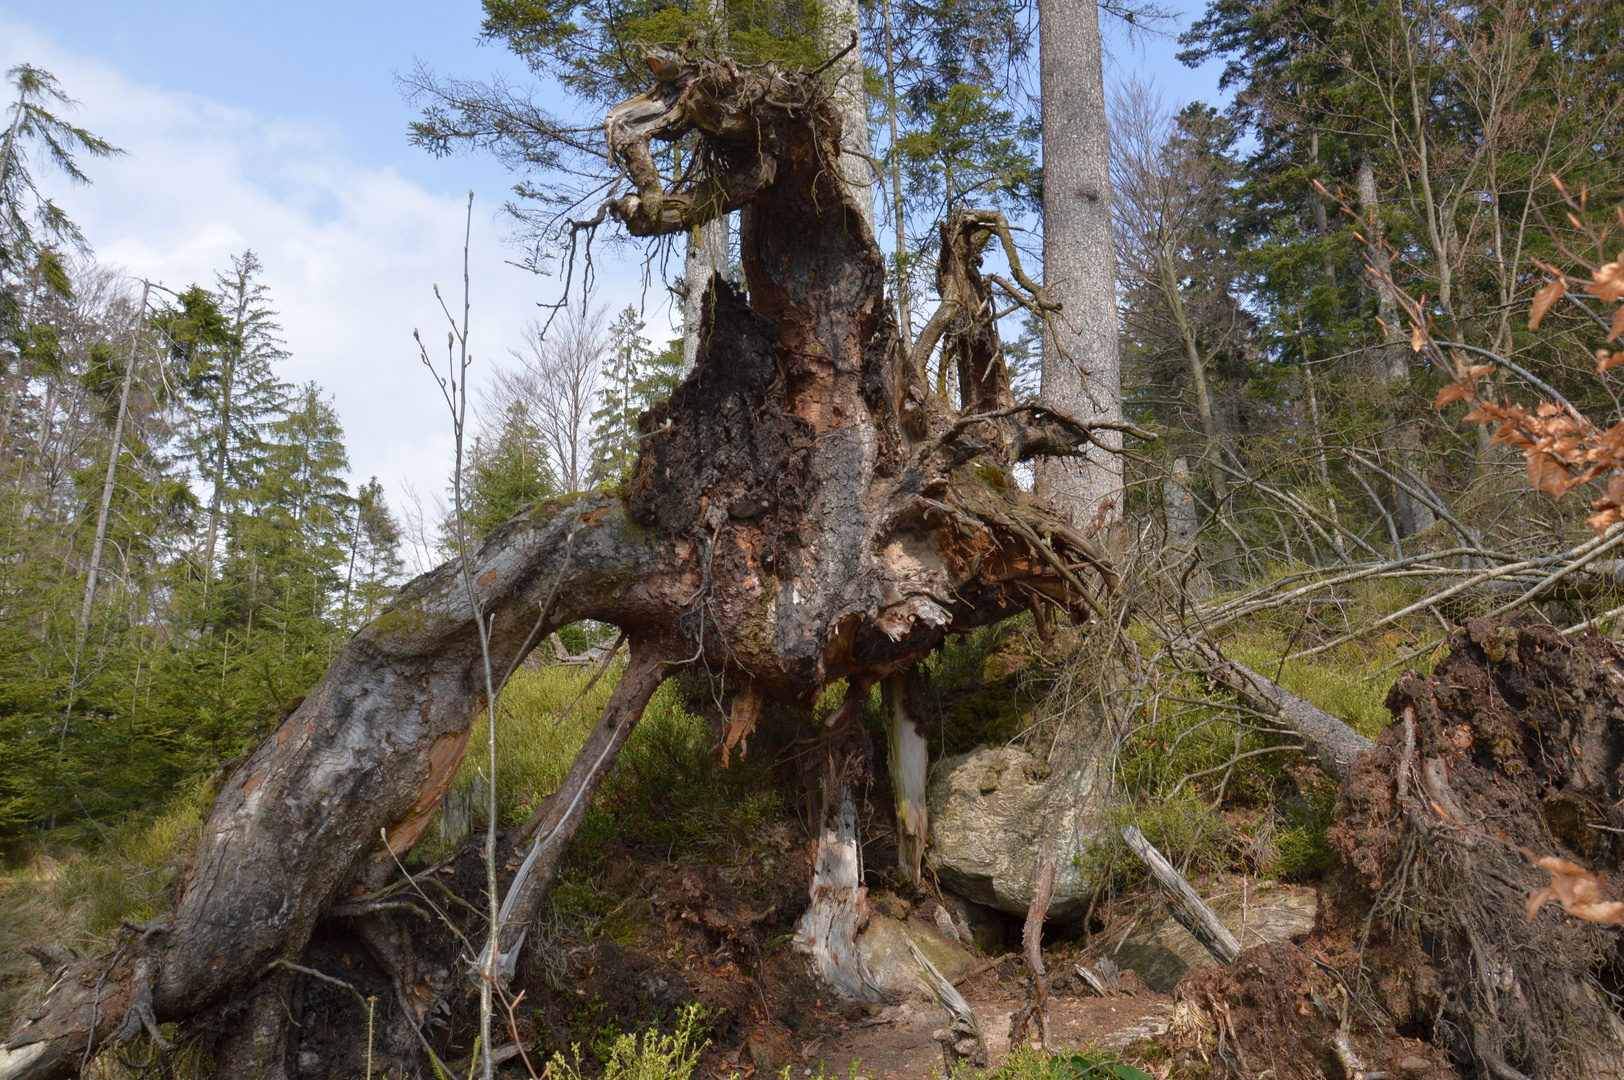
x,y
182,548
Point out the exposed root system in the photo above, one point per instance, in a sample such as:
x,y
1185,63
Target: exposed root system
x,y
1425,953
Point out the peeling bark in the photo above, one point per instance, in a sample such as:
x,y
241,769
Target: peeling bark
x,y
803,511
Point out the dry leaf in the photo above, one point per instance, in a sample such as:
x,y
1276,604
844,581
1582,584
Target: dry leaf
x,y
1453,392
1550,294
1608,283
1418,340
744,711
1576,889
1618,325
1605,359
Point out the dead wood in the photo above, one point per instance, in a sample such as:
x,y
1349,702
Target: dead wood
x,y
1183,901
1433,945
961,1040
1036,1008
1333,745
804,510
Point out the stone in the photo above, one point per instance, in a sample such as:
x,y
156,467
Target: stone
x,y
991,812
883,945
1162,951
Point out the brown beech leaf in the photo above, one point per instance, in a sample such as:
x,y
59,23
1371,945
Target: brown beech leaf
x,y
1618,324
1608,282
1576,889
1605,359
1418,340
1550,294
1454,392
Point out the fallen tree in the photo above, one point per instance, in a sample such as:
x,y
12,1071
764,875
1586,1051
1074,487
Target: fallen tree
x,y
805,509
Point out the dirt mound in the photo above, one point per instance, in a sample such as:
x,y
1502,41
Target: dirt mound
x,y
1276,1011
1512,746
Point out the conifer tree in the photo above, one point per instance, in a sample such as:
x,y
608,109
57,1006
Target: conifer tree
x,y
374,564
225,343
508,470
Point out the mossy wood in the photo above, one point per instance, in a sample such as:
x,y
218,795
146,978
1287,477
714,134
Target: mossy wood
x,y
805,509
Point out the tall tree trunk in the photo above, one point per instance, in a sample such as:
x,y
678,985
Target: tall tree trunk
x,y
1403,438
707,257
1081,375
802,511
844,20
114,452
899,217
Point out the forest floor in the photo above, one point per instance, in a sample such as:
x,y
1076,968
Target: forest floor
x,y
689,881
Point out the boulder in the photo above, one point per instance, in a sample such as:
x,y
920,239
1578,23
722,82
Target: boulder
x,y
991,812
1162,951
884,948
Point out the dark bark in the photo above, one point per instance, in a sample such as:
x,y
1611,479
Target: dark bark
x,y
803,511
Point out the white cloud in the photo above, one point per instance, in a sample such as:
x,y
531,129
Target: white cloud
x,y
351,252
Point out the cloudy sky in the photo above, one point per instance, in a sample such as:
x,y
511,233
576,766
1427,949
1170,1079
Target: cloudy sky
x,y
278,127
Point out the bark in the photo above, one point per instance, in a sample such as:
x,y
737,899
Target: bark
x,y
803,511
1037,1005
1081,375
707,257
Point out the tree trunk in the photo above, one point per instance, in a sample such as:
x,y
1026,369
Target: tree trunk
x,y
1403,437
828,929
1081,376
707,256
803,511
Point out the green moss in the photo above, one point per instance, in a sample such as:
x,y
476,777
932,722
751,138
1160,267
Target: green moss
x,y
991,475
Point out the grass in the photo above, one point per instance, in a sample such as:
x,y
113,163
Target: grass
x,y
76,899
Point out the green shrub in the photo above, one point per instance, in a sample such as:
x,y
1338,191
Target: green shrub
x,y
650,1056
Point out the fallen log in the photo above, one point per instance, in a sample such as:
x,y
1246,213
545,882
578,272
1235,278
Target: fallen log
x,y
805,509
1333,745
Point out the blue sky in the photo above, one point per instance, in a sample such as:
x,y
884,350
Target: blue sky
x,y
278,127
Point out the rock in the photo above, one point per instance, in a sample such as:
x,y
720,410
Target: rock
x,y
991,811
988,929
1162,951
884,948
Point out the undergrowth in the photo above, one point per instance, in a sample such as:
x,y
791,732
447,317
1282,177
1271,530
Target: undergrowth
x,y
651,1055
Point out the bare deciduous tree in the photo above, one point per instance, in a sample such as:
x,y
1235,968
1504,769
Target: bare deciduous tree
x,y
559,381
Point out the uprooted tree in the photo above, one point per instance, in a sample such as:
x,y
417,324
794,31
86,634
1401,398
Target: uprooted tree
x,y
805,510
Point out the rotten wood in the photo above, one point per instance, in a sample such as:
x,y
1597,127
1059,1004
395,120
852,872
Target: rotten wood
x,y
827,931
961,1039
908,762
1183,901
